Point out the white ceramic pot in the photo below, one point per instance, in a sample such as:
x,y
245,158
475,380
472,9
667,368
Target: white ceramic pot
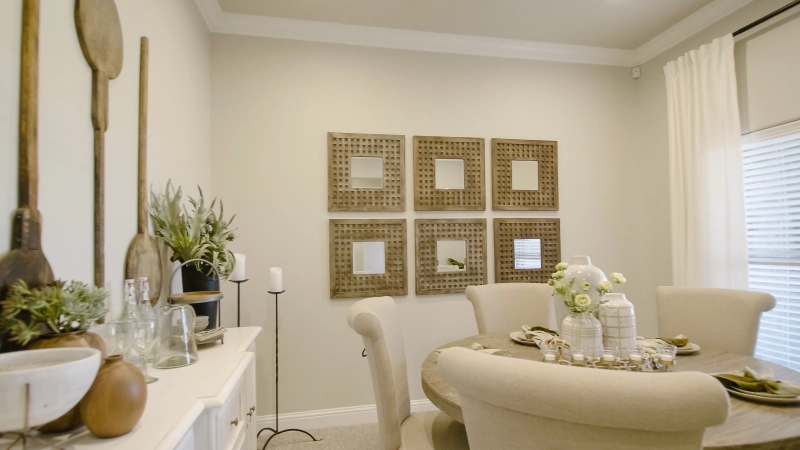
x,y
583,330
58,380
580,269
618,319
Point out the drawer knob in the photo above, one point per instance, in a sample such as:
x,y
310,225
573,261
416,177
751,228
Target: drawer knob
x,y
252,409
235,422
250,414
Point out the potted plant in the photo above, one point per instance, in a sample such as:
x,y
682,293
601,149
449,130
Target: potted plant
x,y
197,232
52,316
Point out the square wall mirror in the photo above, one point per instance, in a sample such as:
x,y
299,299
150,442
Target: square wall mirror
x,y
524,175
527,254
366,172
369,258
449,174
451,256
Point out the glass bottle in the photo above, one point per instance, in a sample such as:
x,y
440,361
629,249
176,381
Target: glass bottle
x,y
131,312
146,310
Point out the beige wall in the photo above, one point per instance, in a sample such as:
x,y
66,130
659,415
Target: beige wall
x,y
179,126
273,103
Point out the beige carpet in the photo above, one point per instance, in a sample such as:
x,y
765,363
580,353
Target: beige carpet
x,y
353,437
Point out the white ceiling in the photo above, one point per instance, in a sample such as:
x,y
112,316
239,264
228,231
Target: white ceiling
x,y
608,32
622,24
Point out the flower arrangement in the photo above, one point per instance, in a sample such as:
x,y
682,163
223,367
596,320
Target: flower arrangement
x,y
57,307
199,233
581,302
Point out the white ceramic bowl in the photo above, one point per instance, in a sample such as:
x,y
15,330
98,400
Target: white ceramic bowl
x,y
58,379
200,323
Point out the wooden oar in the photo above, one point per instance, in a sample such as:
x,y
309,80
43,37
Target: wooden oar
x,y
26,261
143,258
100,36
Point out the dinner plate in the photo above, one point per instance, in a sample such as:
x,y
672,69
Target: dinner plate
x,y
688,349
519,338
763,397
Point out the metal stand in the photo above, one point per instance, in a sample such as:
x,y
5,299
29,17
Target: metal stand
x,y
239,300
275,430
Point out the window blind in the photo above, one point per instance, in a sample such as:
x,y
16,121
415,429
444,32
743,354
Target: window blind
x,y
771,168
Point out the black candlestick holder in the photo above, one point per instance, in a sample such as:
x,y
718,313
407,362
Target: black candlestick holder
x,y
276,431
239,300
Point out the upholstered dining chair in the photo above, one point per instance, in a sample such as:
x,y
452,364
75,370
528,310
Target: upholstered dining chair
x,y
375,319
505,307
519,404
726,319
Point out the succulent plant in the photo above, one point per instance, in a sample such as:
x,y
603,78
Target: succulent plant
x,y
199,233
57,307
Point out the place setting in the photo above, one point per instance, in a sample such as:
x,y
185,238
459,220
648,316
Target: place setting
x,y
759,387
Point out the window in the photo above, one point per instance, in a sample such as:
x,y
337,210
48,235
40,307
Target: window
x,y
771,163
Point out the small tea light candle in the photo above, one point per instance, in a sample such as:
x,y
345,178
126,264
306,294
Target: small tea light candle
x,y
275,279
608,358
549,357
635,357
578,357
665,357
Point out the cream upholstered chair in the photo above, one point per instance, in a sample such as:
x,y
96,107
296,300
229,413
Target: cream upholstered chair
x,y
505,307
726,319
375,319
518,404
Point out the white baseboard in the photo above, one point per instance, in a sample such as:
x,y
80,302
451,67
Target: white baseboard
x,y
336,417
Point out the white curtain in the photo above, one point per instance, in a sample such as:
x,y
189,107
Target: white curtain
x,y
709,238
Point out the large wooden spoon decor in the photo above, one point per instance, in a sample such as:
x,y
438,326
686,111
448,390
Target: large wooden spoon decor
x,y
26,261
100,36
143,258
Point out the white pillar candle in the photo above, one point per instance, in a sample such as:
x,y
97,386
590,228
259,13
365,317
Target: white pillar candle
x,y
275,279
608,358
578,357
549,357
238,270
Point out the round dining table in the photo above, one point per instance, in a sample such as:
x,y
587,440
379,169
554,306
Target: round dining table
x,y
749,426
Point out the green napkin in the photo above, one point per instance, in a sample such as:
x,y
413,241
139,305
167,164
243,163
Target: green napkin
x,y
750,380
678,341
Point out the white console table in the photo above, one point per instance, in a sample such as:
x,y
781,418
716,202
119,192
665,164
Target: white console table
x,y
209,405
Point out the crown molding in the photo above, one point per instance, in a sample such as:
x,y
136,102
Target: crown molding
x,y
686,28
219,21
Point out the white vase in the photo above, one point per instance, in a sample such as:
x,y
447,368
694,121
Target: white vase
x,y
583,330
580,269
618,319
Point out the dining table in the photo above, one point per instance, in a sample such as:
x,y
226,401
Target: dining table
x,y
750,425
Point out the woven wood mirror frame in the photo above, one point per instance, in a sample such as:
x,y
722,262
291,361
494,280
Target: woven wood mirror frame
x,y
428,233
342,234
427,149
507,230
504,151
344,146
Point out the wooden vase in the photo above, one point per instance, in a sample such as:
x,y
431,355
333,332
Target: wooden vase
x,y
116,400
72,418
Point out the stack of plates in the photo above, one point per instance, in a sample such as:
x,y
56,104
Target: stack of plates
x,y
200,323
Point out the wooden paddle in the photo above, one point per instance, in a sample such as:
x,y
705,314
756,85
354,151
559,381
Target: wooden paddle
x,y
26,261
143,258
100,36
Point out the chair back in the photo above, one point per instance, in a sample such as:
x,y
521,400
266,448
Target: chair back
x,y
375,319
505,307
726,319
515,403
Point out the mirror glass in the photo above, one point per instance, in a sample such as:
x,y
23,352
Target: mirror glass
x,y
449,173
366,172
525,175
451,256
527,254
369,257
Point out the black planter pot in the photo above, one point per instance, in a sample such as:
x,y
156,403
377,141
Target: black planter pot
x,y
195,281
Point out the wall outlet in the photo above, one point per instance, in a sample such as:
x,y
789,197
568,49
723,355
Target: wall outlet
x,y
636,72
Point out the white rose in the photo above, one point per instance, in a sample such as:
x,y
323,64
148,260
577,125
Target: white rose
x,y
558,275
586,286
617,277
583,300
606,286
561,288
561,266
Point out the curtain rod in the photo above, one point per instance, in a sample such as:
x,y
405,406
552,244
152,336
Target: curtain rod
x,y
766,18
